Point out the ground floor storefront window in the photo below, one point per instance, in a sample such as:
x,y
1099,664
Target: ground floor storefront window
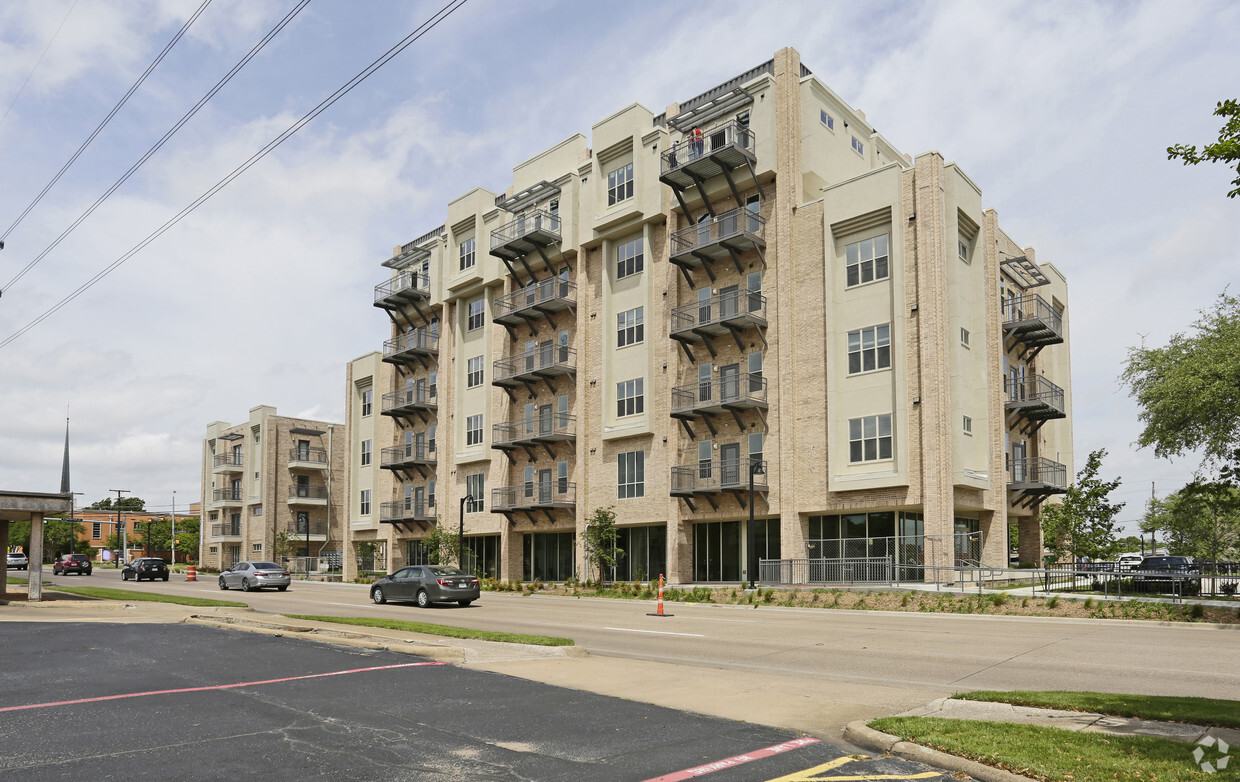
x,y
482,556
645,553
547,556
877,545
717,551
418,553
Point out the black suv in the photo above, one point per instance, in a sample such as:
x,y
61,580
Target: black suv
x,y
146,567
1169,574
72,563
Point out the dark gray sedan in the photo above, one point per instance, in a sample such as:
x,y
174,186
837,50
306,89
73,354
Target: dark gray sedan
x,y
427,584
248,576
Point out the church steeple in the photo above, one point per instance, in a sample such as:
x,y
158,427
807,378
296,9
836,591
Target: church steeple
x,y
64,470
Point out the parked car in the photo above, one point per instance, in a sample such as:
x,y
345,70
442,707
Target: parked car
x,y
72,563
18,560
1128,562
1164,573
145,567
427,584
249,576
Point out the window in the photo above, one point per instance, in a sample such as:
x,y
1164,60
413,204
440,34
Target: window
x,y
467,253
365,502
477,311
962,247
95,531
430,438
213,549
755,373
857,146
620,184
826,119
869,438
967,425
474,375
473,430
630,328
630,397
964,337
756,441
866,261
869,349
554,207
215,514
629,259
368,397
365,452
258,547
257,510
631,479
474,488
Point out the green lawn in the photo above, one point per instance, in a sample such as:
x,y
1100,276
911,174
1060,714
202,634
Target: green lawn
x,y
1211,712
150,597
444,630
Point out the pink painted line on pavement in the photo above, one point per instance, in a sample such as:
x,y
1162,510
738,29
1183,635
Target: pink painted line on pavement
x,y
734,761
213,687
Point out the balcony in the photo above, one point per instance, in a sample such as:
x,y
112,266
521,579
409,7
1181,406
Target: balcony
x,y
228,462
402,457
307,495
1037,400
1030,321
731,394
722,149
226,497
729,312
405,288
537,300
307,459
528,233
725,236
1032,480
226,529
544,496
406,511
410,347
709,478
409,400
537,430
317,530
544,362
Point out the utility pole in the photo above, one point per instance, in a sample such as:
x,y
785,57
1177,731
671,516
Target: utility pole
x,y
120,528
174,526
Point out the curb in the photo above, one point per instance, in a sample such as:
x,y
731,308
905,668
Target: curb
x,y
446,654
862,735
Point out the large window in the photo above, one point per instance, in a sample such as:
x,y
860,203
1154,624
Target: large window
x,y
631,479
869,438
630,397
645,553
629,259
620,184
869,349
467,254
866,261
365,452
473,377
364,502
475,487
717,551
473,430
477,313
482,556
547,556
630,328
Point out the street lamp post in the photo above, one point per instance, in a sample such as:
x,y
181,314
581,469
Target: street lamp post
x,y
755,468
460,536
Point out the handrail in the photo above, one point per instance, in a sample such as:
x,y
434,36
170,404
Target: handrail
x,y
228,458
719,308
1039,469
533,295
533,427
1031,306
316,455
726,225
404,281
1036,388
412,340
540,358
408,508
538,220
717,474
409,395
536,493
412,452
714,139
742,387
307,492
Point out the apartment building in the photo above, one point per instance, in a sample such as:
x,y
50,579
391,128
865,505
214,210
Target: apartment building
x,y
748,306
269,479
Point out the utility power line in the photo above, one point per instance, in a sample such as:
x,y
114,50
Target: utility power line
x,y
108,118
38,62
272,33
406,42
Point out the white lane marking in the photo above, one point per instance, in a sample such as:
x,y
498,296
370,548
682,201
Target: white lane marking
x,y
346,605
653,632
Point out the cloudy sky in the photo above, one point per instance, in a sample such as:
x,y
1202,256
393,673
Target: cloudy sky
x,y
1060,111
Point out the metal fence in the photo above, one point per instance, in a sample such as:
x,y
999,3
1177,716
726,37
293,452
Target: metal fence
x,y
955,558
1109,579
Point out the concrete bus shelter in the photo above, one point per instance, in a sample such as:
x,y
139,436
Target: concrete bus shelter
x,y
30,506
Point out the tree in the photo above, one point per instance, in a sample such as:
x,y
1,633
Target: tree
x,y
126,504
285,545
59,536
1084,523
1201,520
601,538
442,545
1189,391
1225,150
189,534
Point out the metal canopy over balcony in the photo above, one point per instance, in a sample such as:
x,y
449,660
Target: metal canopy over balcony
x,y
1032,480
543,496
714,238
723,149
708,479
539,300
411,347
1025,271
731,394
411,401
226,497
228,462
307,459
730,312
403,459
1036,400
530,232
406,512
307,495
1032,323
524,369
528,433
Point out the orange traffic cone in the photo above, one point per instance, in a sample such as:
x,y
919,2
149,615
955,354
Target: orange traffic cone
x,y
191,573
659,610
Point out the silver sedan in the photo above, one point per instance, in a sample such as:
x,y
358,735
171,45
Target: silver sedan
x,y
249,576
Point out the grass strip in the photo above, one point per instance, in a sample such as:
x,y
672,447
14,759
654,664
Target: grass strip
x,y
1210,712
444,630
1051,753
149,597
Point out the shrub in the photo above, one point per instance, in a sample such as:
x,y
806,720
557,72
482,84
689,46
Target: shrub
x,y
999,599
1053,602
1089,603
1198,611
1228,589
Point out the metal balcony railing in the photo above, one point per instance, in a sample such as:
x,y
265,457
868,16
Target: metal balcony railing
x,y
715,475
534,301
226,495
722,147
411,509
732,392
311,455
524,234
1033,320
228,460
226,530
415,453
405,285
736,229
301,529
544,428
544,361
1037,471
541,495
418,341
1035,397
296,492
729,310
410,397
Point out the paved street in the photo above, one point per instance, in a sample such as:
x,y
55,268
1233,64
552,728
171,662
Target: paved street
x,y
120,701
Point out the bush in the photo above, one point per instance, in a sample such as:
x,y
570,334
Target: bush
x,y
1053,602
1228,589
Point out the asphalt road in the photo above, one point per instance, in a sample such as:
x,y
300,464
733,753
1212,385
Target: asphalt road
x,y
929,655
184,702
